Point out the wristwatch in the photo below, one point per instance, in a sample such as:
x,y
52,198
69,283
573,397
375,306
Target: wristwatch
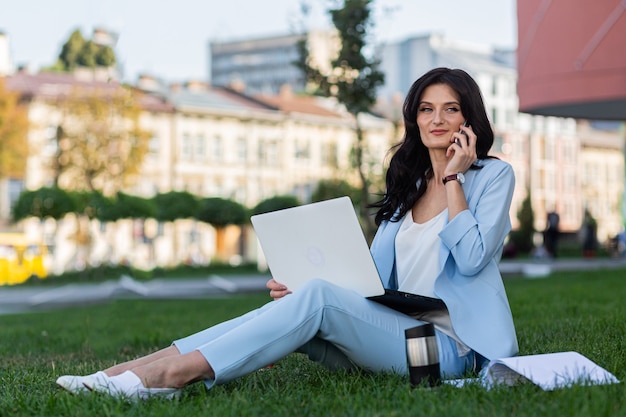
x,y
458,176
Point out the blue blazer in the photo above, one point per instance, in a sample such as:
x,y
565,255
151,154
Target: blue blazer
x,y
469,280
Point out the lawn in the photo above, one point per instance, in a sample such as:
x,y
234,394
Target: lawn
x,y
582,311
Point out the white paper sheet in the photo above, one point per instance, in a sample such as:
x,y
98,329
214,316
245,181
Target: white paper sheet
x,y
548,371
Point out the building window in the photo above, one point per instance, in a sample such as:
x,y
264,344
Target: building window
x,y
240,193
549,180
510,117
217,148
569,181
303,150
497,143
186,151
200,153
154,145
549,149
329,155
272,153
242,150
218,186
268,153
592,173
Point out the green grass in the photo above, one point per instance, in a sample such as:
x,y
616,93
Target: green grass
x,y
582,311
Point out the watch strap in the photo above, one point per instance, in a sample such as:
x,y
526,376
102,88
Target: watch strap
x,y
453,177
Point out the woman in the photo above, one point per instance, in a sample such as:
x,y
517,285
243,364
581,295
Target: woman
x,y
442,223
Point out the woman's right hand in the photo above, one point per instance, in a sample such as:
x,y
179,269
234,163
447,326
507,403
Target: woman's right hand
x,y
277,290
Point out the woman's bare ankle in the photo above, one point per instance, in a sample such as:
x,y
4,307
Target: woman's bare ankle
x,y
175,372
117,369
120,368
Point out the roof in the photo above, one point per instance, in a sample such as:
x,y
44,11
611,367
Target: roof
x,y
288,102
216,98
54,84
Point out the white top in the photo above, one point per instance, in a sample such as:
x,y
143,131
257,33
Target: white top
x,y
417,254
417,267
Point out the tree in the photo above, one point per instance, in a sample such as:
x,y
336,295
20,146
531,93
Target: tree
x,y
105,57
523,236
353,80
46,202
126,206
175,205
93,205
278,202
327,189
13,135
79,52
100,145
220,213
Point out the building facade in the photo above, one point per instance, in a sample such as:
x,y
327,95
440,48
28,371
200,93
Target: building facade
x,y
210,141
264,65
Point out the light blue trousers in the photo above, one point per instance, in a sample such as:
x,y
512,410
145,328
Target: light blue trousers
x,y
333,326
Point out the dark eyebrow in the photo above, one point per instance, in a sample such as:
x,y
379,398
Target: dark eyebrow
x,y
445,104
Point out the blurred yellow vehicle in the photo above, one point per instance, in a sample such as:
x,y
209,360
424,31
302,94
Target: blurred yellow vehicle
x,y
20,259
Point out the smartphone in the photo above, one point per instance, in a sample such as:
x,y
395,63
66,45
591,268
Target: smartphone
x,y
456,140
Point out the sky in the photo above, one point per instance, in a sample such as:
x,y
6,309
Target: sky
x,y
169,38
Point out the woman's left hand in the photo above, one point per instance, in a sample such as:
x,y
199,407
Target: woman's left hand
x,y
277,290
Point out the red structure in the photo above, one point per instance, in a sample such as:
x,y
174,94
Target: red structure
x,y
571,58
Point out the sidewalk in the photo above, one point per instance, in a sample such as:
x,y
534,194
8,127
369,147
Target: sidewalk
x,y
23,299
533,269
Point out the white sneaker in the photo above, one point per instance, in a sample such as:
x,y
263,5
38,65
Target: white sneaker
x,y
128,386
76,383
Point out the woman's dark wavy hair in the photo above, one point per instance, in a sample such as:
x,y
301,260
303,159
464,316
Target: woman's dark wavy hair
x,y
411,161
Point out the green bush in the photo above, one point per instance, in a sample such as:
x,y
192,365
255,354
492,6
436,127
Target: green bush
x,y
275,203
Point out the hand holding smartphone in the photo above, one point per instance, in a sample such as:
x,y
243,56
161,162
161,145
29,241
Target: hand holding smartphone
x,y
456,140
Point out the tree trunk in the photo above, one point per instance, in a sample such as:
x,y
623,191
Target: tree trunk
x,y
220,243
366,219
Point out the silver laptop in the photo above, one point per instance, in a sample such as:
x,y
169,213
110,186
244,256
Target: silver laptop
x,y
324,240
